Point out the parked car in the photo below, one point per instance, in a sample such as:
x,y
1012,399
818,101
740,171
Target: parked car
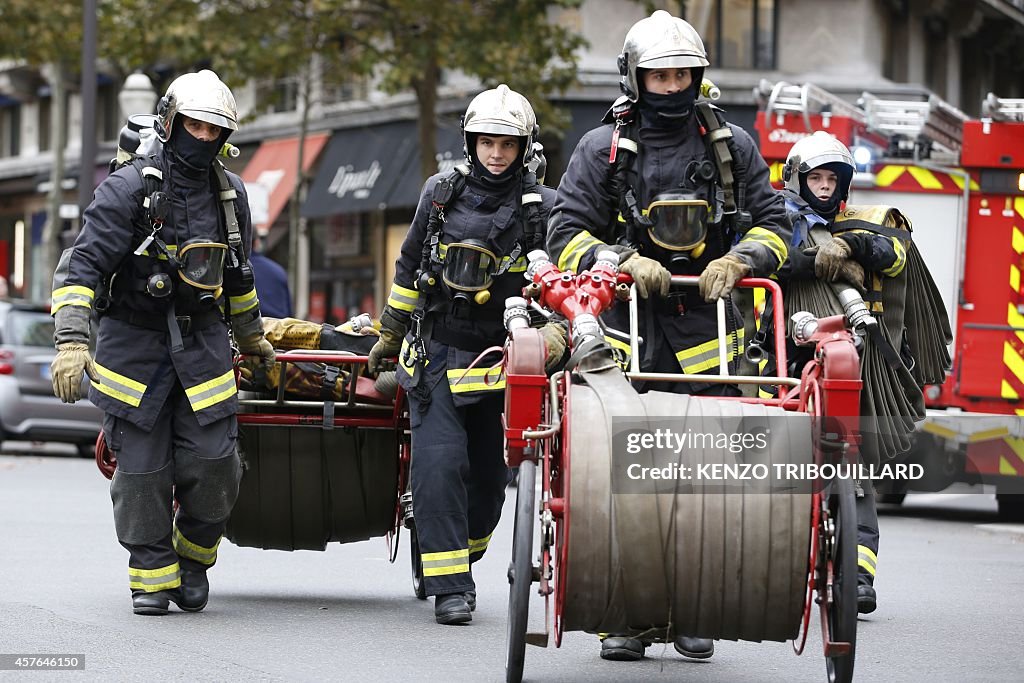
x,y
28,409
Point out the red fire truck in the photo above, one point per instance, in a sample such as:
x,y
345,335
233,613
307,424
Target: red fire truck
x,y
961,183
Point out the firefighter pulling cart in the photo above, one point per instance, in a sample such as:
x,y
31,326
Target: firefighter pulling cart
x,y
325,452
675,558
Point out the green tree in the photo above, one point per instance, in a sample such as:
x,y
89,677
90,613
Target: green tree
x,y
411,43
47,35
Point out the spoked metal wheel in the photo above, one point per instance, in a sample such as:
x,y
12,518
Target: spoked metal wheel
x,y
842,610
520,574
416,561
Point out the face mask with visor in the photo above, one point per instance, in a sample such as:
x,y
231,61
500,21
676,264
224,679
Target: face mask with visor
x,y
201,265
678,222
469,267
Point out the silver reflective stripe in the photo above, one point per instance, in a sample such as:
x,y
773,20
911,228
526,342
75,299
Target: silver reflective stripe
x,y
626,143
532,198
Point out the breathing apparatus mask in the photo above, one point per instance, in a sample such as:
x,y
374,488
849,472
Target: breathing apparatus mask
x,y
200,264
678,223
469,270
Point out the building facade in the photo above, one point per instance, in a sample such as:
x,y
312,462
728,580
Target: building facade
x,y
361,159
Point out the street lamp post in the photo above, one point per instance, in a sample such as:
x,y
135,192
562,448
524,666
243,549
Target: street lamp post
x,y
137,95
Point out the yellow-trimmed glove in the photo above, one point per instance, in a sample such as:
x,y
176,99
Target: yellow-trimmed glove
x,y
66,370
555,340
828,262
392,332
649,276
721,275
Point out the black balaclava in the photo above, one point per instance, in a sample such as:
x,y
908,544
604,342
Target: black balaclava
x,y
668,111
830,207
481,172
191,151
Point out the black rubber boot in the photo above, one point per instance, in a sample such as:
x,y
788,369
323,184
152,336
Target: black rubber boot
x,y
694,648
471,600
150,604
867,599
621,648
452,609
194,592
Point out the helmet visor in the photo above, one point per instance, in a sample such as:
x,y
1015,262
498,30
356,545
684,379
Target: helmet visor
x,y
202,264
678,224
469,267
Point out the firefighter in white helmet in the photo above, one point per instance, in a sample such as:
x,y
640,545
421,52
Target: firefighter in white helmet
x,y
675,190
818,175
162,259
464,254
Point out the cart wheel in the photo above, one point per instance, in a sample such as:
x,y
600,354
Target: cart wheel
x,y
842,612
416,560
520,574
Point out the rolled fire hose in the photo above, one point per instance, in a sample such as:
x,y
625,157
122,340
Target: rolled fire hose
x,y
681,557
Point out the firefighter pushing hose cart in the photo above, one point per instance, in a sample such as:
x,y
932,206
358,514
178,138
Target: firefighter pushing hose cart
x,y
675,555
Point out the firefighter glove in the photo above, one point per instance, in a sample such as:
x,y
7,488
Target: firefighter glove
x,y
257,345
66,370
853,273
554,342
828,262
721,275
392,332
649,276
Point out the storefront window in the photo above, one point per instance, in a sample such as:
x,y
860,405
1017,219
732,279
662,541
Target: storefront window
x,y
738,34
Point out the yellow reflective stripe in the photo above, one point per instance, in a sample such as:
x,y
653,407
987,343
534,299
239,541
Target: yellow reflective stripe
x,y
193,551
866,558
243,303
888,175
1007,391
462,381
518,267
925,178
444,563
573,253
1013,361
72,295
152,580
770,240
901,259
1006,468
117,386
705,356
478,545
212,391
402,298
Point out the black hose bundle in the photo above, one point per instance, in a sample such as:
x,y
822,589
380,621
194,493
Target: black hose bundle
x,y
891,399
928,332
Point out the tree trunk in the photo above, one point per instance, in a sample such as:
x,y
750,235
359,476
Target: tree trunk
x,y
42,277
426,99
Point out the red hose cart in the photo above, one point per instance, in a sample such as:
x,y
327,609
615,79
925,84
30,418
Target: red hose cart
x,y
740,565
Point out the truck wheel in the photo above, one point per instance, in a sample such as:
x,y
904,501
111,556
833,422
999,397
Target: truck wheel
x,y
1011,507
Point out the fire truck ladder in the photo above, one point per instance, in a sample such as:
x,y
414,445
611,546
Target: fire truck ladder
x,y
917,126
1002,109
805,100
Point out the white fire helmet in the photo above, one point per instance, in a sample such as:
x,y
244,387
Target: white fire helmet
x,y
660,41
501,111
816,150
202,96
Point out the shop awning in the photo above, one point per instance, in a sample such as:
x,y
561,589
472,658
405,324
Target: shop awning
x,y
272,170
375,167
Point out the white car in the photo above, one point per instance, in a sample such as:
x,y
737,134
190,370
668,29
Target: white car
x,y
28,409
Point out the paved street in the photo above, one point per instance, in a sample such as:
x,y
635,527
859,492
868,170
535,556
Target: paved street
x,y
951,590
